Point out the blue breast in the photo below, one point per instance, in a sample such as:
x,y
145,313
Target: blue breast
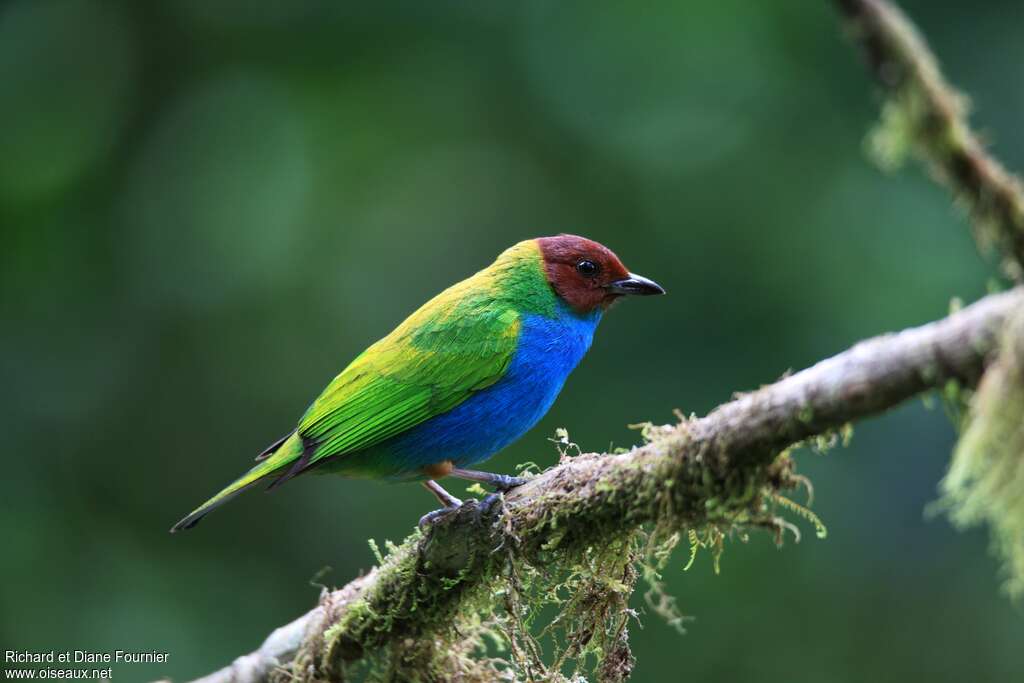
x,y
549,349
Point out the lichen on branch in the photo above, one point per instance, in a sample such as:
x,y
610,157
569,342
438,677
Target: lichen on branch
x,y
985,484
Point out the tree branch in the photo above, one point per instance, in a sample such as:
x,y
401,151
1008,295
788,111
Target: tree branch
x,y
724,468
927,114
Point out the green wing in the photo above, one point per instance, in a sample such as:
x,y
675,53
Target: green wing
x,y
454,345
427,366
460,342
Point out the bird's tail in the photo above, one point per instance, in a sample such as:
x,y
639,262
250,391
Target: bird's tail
x,y
270,465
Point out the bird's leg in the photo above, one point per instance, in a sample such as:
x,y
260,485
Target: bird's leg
x,y
446,499
443,497
502,482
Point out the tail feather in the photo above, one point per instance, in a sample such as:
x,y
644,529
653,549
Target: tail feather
x,y
298,466
194,517
272,448
269,467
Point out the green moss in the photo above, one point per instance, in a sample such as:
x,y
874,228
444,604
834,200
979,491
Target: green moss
x,y
819,526
956,401
986,477
375,550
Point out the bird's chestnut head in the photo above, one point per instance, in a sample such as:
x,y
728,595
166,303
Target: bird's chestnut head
x,y
588,275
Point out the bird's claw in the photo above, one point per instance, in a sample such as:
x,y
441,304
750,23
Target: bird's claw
x,y
487,503
481,509
505,482
434,515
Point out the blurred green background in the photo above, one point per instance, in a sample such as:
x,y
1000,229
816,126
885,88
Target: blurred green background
x,y
208,208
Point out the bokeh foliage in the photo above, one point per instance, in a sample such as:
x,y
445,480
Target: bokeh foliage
x,y
208,208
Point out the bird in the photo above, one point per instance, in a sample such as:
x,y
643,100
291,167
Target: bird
x,y
464,376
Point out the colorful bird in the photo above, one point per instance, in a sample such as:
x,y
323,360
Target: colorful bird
x,y
461,378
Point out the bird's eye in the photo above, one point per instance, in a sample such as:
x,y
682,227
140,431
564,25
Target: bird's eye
x,y
587,268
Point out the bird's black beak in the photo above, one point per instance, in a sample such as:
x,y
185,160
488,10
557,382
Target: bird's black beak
x,y
635,284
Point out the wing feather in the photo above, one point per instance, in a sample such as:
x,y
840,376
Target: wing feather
x,y
427,366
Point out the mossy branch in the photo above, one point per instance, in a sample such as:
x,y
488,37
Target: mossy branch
x,y
926,115
425,612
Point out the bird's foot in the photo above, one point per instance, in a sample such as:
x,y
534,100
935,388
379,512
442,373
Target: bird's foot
x,y
501,482
450,503
434,515
479,509
488,502
505,482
